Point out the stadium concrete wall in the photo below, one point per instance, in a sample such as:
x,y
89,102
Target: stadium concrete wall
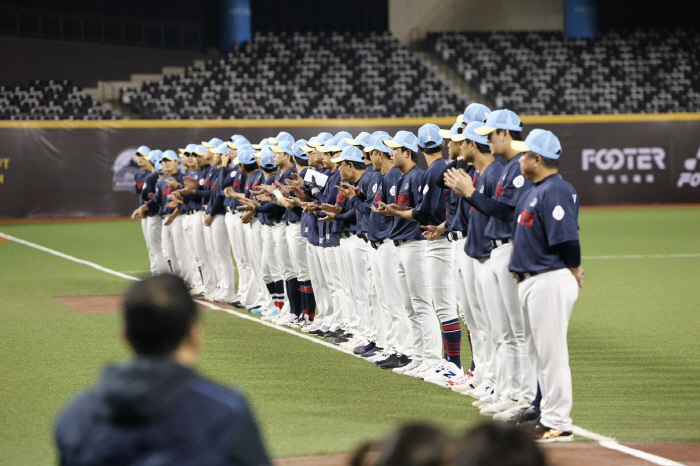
x,y
410,20
84,169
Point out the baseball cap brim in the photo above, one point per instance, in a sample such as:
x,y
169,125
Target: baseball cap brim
x,y
352,142
369,149
391,143
485,130
330,149
307,148
445,134
277,150
272,140
337,160
257,146
519,146
459,137
257,154
236,161
460,119
207,145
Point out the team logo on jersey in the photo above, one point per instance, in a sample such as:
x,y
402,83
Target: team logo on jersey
x,y
481,189
374,188
533,203
405,187
201,181
392,191
526,219
425,190
558,213
519,181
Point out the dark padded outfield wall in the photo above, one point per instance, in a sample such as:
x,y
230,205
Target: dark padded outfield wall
x,y
73,169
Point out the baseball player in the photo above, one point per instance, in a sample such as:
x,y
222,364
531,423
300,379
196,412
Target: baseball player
x,y
407,237
546,261
502,127
145,181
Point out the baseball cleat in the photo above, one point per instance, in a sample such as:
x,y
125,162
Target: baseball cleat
x,y
408,367
523,415
544,434
417,370
483,390
503,416
365,348
271,317
497,407
447,372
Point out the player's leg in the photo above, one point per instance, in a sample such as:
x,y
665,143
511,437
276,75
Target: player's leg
x,y
359,290
376,317
523,379
287,266
205,263
548,300
271,272
197,279
349,310
152,260
213,256
319,289
254,245
297,251
488,371
236,235
222,249
329,265
169,251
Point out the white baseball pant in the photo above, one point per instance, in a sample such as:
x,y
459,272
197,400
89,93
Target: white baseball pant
x,y
254,243
222,250
187,226
236,237
176,247
463,273
297,251
348,306
354,252
270,268
376,323
324,302
329,265
205,262
518,363
547,301
279,233
152,232
399,332
498,321
413,286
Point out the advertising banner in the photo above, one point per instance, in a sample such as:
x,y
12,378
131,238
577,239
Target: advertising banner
x,y
73,171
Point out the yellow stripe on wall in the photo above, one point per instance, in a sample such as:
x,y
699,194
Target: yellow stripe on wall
x,y
352,122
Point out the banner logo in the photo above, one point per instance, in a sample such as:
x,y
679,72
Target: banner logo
x,y
124,171
690,177
628,165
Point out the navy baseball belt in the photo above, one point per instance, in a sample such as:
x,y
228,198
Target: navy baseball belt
x,y
376,244
522,276
398,242
499,242
456,235
345,234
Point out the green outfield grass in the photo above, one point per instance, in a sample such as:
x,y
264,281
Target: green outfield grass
x,y
633,339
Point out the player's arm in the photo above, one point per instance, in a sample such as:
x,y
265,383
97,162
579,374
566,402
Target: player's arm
x,y
559,209
491,207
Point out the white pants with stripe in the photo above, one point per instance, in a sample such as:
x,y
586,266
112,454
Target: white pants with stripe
x,y
222,251
205,261
152,232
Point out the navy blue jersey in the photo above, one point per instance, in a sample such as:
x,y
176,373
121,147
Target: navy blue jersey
x,y
328,195
269,212
216,199
510,187
209,176
346,220
452,222
236,180
477,244
140,180
546,215
432,209
160,200
368,187
291,215
149,187
408,194
379,225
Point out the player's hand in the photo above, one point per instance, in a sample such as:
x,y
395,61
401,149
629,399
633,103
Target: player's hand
x,y
151,195
381,209
265,188
578,275
190,183
264,197
172,182
432,232
460,182
396,207
336,209
348,190
138,213
311,207
330,217
295,180
173,204
229,192
285,190
247,217
294,202
169,219
207,220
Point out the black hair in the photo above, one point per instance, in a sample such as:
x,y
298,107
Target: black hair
x,y
302,162
432,150
483,148
504,445
414,155
158,314
250,166
410,445
356,165
269,170
516,135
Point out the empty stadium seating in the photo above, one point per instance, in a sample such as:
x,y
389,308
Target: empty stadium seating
x,y
50,100
544,73
301,76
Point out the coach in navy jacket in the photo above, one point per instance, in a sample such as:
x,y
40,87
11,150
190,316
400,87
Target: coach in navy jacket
x,y
155,409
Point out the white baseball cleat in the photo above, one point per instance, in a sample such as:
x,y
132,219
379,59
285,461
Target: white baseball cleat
x,y
448,372
503,416
417,370
498,407
379,356
482,390
464,385
408,367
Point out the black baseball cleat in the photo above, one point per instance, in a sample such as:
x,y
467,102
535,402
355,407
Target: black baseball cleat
x,y
390,363
528,414
317,333
387,358
365,348
373,352
236,304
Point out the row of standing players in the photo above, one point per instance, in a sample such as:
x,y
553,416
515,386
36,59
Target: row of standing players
x,y
350,240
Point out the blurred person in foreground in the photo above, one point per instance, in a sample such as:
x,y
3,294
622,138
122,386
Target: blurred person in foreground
x,y
155,409
425,445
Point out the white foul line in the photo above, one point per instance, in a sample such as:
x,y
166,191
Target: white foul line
x,y
603,441
642,256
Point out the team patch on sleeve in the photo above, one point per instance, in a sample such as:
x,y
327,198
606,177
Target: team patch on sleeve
x,y
558,213
519,181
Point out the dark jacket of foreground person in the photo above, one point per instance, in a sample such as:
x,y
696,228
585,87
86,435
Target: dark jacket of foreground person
x,y
151,411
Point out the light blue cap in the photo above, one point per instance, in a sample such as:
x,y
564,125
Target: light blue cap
x,y
246,146
246,156
200,150
541,142
237,141
470,134
341,136
321,139
284,146
264,143
282,136
429,136
213,142
267,158
298,149
190,147
500,119
350,154
221,149
169,154
403,139
155,155
143,150
363,139
452,132
475,112
158,166
378,143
